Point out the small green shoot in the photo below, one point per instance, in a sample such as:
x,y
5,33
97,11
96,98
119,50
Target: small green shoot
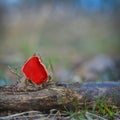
x,y
50,68
15,71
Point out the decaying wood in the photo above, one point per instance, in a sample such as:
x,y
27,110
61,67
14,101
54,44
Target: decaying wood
x,y
46,99
58,97
105,91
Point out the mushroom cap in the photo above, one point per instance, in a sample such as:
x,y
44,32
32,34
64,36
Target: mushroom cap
x,y
35,70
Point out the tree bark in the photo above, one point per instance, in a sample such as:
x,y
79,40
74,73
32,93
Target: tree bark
x,y
108,92
46,99
58,97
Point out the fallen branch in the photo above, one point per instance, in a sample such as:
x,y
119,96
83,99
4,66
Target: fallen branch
x,y
58,97
43,100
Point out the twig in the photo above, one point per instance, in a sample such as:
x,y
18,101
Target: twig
x,y
88,113
18,114
14,72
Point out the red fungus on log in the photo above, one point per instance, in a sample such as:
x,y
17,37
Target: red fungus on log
x,y
35,70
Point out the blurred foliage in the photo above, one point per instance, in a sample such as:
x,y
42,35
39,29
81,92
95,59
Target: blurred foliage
x,y
60,29
3,80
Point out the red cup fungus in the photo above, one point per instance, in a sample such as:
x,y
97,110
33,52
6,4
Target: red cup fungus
x,y
35,70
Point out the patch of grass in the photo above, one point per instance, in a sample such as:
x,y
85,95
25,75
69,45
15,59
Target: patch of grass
x,y
101,110
105,109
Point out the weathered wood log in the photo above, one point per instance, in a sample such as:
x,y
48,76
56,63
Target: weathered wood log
x,y
58,97
43,100
108,92
92,91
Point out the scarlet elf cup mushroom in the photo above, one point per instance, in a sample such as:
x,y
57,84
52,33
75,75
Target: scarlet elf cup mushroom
x,y
35,70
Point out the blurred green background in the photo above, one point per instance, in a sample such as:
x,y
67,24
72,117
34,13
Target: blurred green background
x,y
62,30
